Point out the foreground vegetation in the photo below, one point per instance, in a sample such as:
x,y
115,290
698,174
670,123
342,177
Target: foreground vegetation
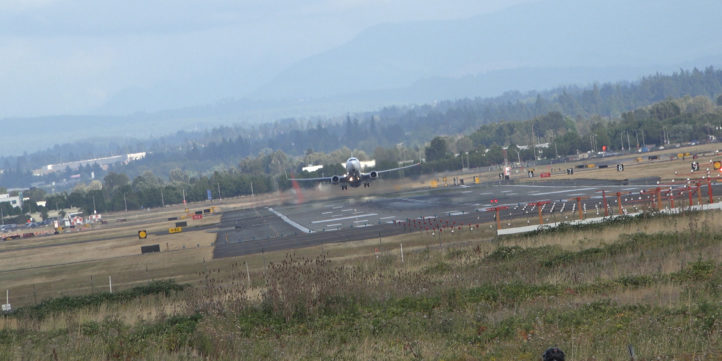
x,y
581,289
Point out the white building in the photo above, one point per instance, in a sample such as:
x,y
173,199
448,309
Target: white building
x,y
103,162
15,202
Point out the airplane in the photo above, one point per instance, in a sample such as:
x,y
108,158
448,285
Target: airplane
x,y
354,177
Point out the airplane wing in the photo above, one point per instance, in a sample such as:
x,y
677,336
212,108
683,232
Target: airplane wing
x,y
319,179
334,179
395,169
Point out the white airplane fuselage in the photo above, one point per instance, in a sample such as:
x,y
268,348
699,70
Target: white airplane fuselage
x,y
353,172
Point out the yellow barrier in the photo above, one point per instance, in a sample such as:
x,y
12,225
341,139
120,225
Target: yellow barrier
x,y
175,229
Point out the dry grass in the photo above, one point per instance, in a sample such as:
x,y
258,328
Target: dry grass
x,y
457,302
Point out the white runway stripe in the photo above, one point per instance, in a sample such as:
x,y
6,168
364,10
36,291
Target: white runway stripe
x,y
344,218
289,221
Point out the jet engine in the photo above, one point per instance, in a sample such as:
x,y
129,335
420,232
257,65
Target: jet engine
x,y
335,179
373,174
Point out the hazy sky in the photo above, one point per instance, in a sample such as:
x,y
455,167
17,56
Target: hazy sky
x,y
79,57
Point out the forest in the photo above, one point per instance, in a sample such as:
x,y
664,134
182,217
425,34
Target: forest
x,y
206,151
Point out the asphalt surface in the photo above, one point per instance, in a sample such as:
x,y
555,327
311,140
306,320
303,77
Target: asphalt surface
x,y
356,216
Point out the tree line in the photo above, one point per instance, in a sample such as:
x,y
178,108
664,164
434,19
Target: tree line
x,y
203,152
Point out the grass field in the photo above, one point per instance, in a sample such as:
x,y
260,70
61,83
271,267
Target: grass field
x,y
592,291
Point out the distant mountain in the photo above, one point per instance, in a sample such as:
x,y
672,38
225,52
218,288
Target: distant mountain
x,y
541,45
538,45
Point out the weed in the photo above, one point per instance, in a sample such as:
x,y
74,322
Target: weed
x,y
696,271
68,303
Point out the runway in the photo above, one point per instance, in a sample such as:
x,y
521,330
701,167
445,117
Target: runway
x,y
355,216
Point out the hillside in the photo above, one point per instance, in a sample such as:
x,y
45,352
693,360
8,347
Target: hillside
x,y
502,120
610,40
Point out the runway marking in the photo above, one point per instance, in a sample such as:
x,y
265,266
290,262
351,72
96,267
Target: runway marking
x,y
389,217
485,194
507,191
337,207
562,191
528,186
629,189
347,210
329,212
334,225
414,200
362,221
289,221
464,192
344,218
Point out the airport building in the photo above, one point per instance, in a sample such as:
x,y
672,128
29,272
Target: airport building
x,y
15,202
104,163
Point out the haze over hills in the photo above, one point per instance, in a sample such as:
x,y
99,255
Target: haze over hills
x,y
529,46
537,45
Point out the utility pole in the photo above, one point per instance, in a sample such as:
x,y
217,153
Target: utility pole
x,y
533,139
162,200
94,210
252,189
636,134
219,191
629,144
664,136
126,203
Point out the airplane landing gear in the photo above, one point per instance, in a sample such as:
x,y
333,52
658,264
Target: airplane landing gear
x,y
366,185
344,187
